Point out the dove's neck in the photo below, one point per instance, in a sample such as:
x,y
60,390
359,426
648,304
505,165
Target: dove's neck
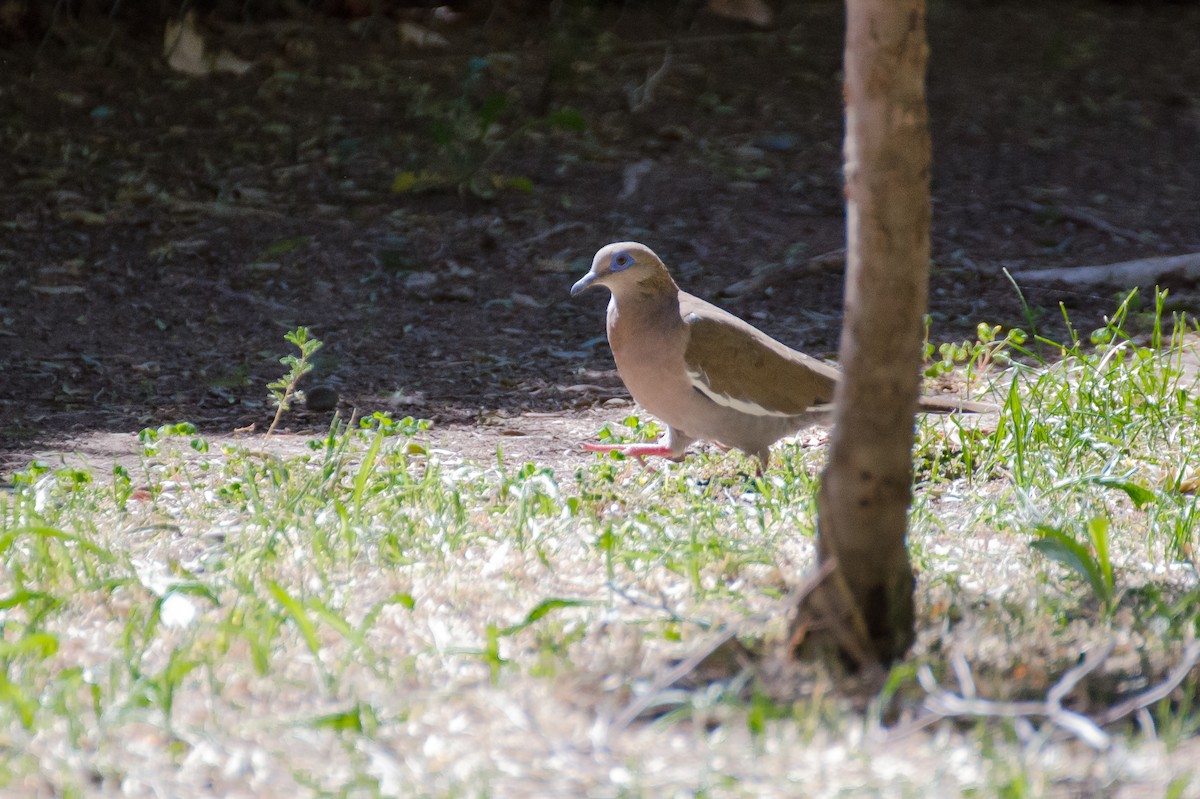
x,y
653,302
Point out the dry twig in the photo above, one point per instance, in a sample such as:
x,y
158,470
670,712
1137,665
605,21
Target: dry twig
x,y
640,97
550,233
1139,702
943,704
1081,215
1140,272
834,259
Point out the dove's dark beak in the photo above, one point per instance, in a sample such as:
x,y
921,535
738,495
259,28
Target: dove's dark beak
x,y
584,283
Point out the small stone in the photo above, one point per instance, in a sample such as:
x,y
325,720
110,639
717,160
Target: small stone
x,y
460,293
778,142
420,281
320,399
748,152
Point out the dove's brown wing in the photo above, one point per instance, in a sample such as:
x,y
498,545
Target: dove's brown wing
x,y
737,365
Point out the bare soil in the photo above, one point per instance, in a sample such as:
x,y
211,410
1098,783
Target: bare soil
x,y
160,233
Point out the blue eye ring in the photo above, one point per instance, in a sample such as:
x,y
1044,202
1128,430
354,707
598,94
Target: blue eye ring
x,y
621,260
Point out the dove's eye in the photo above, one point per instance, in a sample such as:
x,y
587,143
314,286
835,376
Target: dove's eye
x,y
622,260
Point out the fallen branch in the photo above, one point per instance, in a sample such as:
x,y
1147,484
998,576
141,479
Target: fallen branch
x,y
771,275
943,704
1143,272
250,298
1191,655
1080,215
217,208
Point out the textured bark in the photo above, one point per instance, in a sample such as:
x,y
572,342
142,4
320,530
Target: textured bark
x,y
866,488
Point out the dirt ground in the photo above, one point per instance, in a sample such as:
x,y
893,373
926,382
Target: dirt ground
x,y
425,211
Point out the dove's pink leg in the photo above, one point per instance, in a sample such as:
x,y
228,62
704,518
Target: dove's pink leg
x,y
639,451
672,446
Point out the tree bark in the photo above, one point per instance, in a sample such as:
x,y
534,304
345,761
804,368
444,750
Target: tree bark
x,y
866,487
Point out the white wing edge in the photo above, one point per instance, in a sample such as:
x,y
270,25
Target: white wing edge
x,y
742,406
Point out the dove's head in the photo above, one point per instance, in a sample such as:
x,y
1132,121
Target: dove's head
x,y
624,265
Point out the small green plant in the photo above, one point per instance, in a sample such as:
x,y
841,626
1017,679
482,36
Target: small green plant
x,y
639,430
988,348
1090,560
151,437
489,653
467,135
284,389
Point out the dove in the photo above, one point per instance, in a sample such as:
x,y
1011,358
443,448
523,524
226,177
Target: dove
x,y
707,374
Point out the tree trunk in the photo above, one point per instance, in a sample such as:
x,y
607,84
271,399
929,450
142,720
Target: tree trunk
x,y
866,488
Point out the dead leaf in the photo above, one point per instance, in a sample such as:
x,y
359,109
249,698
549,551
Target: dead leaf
x,y
448,15
183,47
1190,485
418,181
83,217
399,399
419,36
631,177
226,61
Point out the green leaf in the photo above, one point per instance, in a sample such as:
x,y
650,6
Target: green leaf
x,y
541,610
23,704
37,645
491,108
1178,787
405,181
349,720
1098,531
519,183
1061,548
406,601
21,597
418,181
331,618
44,532
544,608
296,611
365,469
568,119
1138,494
